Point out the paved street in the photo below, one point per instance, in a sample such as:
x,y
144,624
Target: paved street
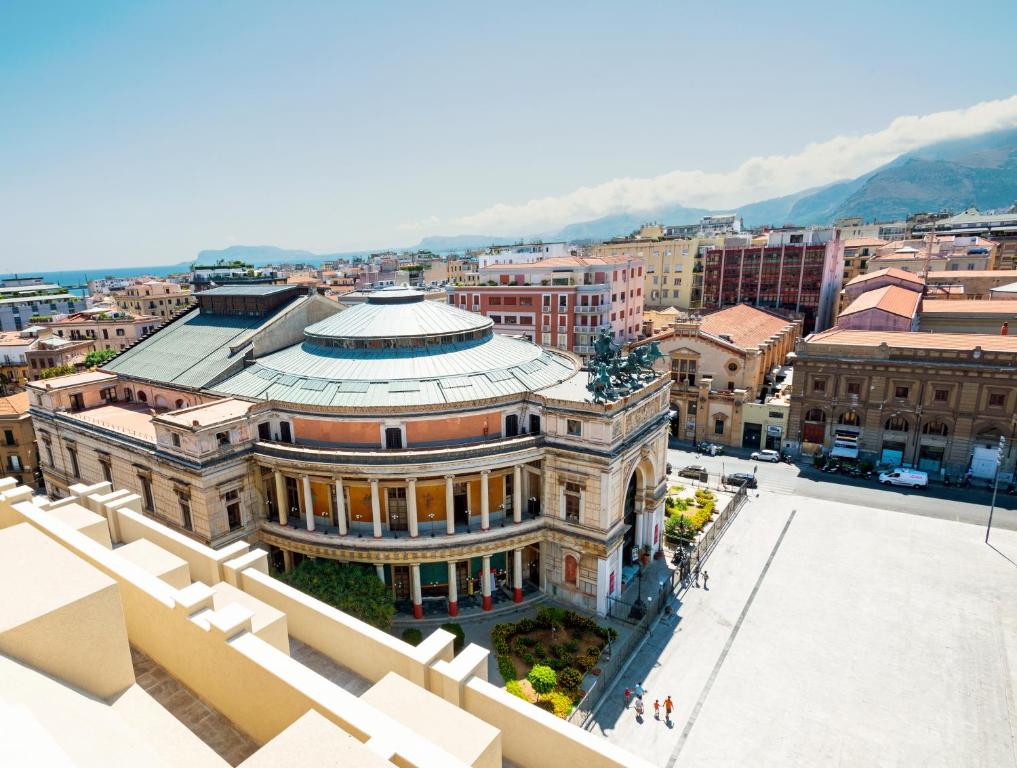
x,y
835,634
969,505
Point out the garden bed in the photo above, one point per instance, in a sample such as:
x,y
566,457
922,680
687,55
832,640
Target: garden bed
x,y
543,660
686,517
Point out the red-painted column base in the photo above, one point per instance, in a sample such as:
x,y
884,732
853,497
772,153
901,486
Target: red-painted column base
x,y
487,602
418,611
453,608
517,594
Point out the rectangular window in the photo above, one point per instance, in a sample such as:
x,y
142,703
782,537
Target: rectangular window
x,y
146,492
222,439
997,399
9,437
232,501
14,463
284,432
107,470
73,456
396,505
563,302
393,437
264,431
49,454
819,385
574,427
718,427
185,511
176,440
901,392
572,493
941,395
854,387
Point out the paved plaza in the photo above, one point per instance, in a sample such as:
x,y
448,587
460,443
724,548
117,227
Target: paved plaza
x,y
835,634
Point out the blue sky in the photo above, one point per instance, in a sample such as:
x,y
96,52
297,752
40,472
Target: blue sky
x,y
140,133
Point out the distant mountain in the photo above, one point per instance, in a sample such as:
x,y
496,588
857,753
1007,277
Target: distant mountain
x,y
270,254
439,243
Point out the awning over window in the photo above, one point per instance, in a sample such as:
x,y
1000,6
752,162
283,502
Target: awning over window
x,y
844,452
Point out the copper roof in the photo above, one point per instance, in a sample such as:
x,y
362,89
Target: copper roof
x,y
744,326
890,298
915,340
900,274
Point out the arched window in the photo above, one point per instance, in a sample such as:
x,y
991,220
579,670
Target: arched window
x,y
816,415
142,396
128,394
179,403
850,419
571,569
896,424
935,428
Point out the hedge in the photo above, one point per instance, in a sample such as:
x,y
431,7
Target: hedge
x,y
460,636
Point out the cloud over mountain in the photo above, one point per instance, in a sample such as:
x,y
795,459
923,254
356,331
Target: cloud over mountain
x,y
757,178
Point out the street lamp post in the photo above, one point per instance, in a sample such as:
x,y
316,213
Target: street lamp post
x,y
995,484
637,607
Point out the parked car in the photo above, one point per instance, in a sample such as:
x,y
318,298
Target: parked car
x,y
741,478
695,472
711,449
912,478
766,455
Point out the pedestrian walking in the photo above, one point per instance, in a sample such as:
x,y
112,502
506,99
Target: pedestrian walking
x,y
639,690
628,695
668,706
639,708
656,709
696,582
706,580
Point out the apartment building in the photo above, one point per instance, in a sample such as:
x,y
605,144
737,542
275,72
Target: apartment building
x,y
939,253
968,284
792,270
108,327
18,455
154,298
205,276
521,254
999,227
13,362
26,301
674,265
561,302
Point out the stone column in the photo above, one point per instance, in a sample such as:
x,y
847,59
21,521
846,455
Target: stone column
x,y
308,503
375,509
485,504
485,582
418,603
517,575
287,560
450,505
379,569
411,506
517,494
340,506
453,590
281,502
640,523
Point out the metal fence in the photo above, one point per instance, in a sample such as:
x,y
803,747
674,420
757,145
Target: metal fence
x,y
641,611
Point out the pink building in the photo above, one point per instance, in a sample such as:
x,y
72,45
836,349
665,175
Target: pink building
x,y
561,302
890,308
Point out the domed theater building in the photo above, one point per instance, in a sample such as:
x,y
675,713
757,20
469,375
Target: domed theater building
x,y
400,433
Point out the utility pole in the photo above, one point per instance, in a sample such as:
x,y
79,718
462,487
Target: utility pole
x,y
995,484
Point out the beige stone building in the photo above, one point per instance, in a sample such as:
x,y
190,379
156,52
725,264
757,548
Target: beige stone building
x,y
674,276
720,364
935,401
109,328
971,316
399,433
126,643
18,456
942,253
969,284
154,298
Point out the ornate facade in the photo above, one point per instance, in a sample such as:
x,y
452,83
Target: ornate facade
x,y
400,433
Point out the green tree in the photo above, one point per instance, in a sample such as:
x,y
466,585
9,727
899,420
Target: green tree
x,y
352,589
57,370
99,356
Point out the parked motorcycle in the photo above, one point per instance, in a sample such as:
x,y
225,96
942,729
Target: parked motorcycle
x,y
1011,490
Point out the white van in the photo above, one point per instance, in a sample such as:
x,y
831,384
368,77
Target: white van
x,y
910,477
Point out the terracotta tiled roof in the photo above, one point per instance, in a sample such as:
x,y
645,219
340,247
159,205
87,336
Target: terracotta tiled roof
x,y
744,325
900,274
970,307
890,298
14,404
915,340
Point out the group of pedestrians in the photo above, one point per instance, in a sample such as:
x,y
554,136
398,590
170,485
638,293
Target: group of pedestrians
x,y
640,707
